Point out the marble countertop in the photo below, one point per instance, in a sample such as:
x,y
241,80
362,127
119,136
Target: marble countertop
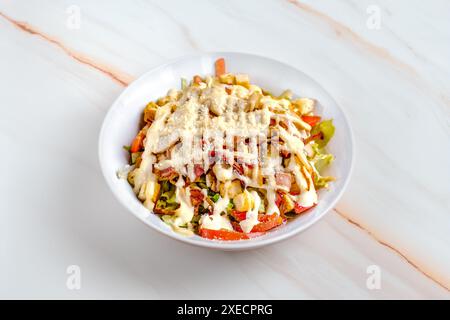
x,y
64,62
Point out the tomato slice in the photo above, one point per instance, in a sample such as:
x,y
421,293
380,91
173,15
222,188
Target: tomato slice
x,y
239,215
311,120
222,234
267,222
299,209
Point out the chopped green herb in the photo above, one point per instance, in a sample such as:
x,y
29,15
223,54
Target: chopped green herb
x,y
215,197
167,200
230,206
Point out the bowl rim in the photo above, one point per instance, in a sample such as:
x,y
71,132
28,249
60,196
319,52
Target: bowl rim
x,y
217,244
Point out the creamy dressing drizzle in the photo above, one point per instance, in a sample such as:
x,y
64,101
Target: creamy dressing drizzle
x,y
189,118
251,218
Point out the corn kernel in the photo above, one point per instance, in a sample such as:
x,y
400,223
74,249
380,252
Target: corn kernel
x,y
227,78
243,201
243,80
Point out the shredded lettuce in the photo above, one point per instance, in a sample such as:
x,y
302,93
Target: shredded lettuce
x,y
320,161
322,182
321,158
171,199
167,200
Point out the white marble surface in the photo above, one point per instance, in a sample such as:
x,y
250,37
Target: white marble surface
x,y
58,82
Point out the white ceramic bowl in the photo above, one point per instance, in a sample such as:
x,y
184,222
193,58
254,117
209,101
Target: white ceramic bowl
x,y
121,125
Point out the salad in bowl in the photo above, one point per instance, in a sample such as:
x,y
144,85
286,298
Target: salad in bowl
x,y
225,159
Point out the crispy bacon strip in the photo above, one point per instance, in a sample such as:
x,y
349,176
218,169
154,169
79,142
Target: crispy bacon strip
x,y
196,197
